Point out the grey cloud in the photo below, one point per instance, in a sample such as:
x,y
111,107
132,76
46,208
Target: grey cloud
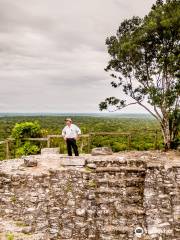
x,y
52,52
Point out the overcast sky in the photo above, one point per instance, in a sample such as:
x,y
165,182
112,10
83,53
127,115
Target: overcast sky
x,y
53,53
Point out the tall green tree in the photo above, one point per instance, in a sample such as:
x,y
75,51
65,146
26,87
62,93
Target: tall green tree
x,y
145,64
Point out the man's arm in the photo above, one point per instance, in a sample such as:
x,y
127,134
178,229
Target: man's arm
x,y
64,133
78,131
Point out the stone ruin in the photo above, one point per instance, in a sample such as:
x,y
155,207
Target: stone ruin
x,y
125,196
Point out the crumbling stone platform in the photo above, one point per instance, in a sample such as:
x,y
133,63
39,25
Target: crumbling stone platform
x,y
91,197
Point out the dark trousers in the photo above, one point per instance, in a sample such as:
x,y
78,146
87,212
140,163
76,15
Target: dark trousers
x,y
71,144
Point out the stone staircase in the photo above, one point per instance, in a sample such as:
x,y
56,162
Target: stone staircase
x,y
118,188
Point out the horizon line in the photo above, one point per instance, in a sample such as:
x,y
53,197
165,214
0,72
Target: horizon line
x,y
73,113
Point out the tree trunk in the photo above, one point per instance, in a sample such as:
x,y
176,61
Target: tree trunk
x,y
167,136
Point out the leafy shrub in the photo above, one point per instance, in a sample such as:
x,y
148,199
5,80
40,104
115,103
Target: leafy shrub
x,y
116,146
26,130
27,149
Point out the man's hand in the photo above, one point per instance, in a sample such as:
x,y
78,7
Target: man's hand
x,y
65,138
77,137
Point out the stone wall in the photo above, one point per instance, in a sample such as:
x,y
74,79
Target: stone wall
x,y
107,198
162,201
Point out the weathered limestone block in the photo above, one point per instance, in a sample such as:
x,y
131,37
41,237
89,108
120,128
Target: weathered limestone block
x,y
91,165
30,161
80,212
47,151
101,151
71,161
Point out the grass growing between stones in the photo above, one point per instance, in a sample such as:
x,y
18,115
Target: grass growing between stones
x,y
21,224
16,236
9,236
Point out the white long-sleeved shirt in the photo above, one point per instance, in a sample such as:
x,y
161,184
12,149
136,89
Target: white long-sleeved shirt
x,y
71,131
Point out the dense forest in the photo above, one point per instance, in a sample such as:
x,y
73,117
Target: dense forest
x,y
137,132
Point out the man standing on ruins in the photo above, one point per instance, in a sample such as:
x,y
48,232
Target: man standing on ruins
x,y
70,134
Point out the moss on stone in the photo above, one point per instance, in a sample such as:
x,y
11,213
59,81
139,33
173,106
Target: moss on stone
x,y
13,199
92,183
88,169
20,224
68,187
